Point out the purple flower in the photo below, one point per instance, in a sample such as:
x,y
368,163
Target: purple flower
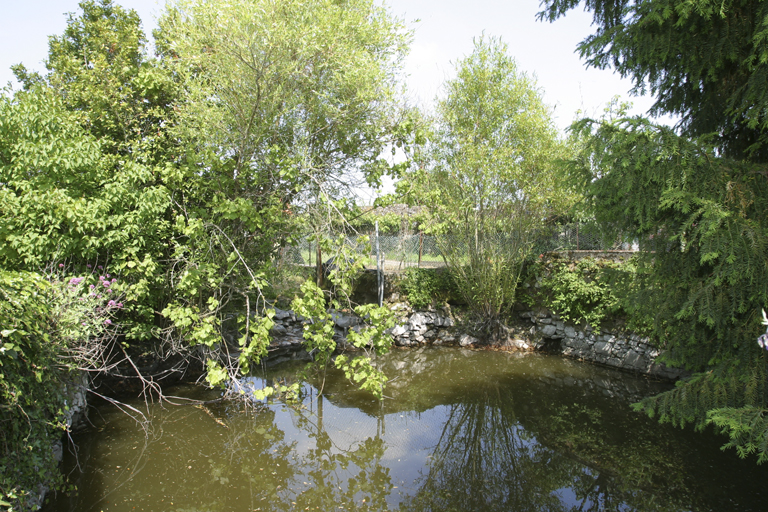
x,y
100,267
106,284
89,265
119,304
61,265
111,303
83,323
108,322
113,280
108,276
75,281
92,286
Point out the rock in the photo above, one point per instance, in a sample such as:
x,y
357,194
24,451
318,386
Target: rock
x,y
344,320
281,314
465,340
570,332
519,344
548,330
602,348
399,330
278,330
634,360
420,319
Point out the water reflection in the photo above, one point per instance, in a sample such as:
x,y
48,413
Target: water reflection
x,y
461,431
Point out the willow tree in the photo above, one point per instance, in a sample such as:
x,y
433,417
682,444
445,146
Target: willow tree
x,y
491,183
285,103
696,196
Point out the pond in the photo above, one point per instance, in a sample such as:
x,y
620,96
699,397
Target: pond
x,y
459,430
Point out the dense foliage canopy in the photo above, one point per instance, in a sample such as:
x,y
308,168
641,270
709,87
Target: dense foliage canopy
x,y
706,61
185,172
694,199
489,179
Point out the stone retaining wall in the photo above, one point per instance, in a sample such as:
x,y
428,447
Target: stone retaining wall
x,y
615,348
540,330
75,392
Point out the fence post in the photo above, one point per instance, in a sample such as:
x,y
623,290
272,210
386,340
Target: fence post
x,y
577,236
421,247
319,263
379,270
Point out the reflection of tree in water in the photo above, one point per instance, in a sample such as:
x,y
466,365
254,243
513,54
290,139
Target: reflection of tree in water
x,y
281,477
541,441
486,460
254,457
198,458
617,466
352,479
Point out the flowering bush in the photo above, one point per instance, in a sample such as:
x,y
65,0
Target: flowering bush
x,y
84,306
49,325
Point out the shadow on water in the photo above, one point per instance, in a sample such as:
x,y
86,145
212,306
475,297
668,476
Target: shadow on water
x,y
460,431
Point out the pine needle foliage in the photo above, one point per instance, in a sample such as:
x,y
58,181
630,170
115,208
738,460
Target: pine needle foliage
x,y
700,222
706,61
696,199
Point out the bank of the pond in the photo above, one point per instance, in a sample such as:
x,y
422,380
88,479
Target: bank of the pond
x,y
534,330
460,430
74,389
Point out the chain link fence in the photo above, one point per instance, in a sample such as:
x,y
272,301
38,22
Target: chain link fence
x,y
399,252
579,237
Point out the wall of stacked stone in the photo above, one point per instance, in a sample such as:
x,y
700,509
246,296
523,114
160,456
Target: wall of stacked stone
x,y
75,391
616,255
541,330
615,348
413,328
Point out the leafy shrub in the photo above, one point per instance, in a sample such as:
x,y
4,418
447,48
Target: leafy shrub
x,y
49,325
29,391
580,291
425,287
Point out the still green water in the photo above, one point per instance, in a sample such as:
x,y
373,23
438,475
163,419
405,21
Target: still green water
x,y
459,430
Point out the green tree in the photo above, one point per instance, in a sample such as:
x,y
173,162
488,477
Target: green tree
x,y
110,200
100,68
283,104
706,61
694,199
185,173
492,182
63,198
